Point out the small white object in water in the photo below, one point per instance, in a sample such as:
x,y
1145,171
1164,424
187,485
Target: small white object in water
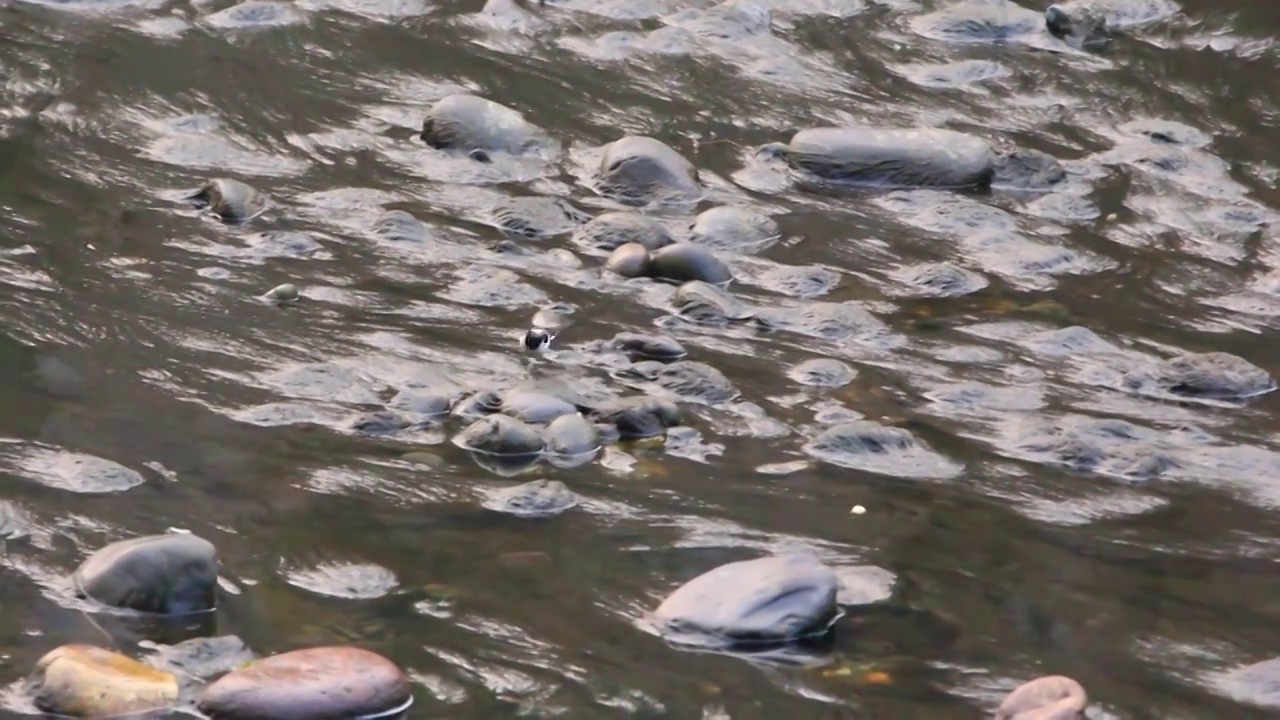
x,y
858,510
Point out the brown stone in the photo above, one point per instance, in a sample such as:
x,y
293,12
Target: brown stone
x,y
324,683
88,681
1053,697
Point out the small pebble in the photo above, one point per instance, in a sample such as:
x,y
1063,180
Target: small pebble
x,y
858,510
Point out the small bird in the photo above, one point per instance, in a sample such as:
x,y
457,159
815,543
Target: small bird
x,y
546,326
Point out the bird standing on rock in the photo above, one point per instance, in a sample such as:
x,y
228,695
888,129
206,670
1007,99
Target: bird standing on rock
x,y
547,324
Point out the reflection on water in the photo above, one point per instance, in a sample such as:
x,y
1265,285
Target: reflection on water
x,y
990,373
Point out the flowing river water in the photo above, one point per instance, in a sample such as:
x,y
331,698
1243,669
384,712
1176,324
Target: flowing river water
x,y
1046,518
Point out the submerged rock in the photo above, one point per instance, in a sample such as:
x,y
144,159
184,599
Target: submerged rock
x,y
1027,170
500,435
1053,697
823,372
895,157
691,380
940,279
708,304
614,229
169,574
733,227
1207,375
539,498
479,404
90,682
638,170
324,683
766,600
380,422
648,346
231,200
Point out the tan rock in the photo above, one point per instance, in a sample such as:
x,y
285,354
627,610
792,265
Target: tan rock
x,y
88,681
1053,697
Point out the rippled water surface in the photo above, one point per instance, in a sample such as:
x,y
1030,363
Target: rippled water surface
x,y
1029,510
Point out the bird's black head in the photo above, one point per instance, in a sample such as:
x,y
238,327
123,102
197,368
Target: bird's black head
x,y
537,339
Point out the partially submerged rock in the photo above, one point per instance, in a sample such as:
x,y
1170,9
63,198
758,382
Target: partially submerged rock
x,y
88,681
734,227
892,157
571,435
231,200
649,346
170,574
471,123
766,600
500,435
638,170
678,262
324,683
535,408
1053,697
612,230
636,418
539,498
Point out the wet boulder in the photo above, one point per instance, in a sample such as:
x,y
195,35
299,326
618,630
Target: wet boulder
x,y
471,123
682,262
169,574
679,262
639,170
636,418
1207,375
765,600
894,157
535,408
733,227
88,681
630,260
612,230
324,683
539,498
707,304
1052,697
230,200
571,435
500,435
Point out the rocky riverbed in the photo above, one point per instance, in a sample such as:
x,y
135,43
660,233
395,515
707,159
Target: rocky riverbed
x,y
585,358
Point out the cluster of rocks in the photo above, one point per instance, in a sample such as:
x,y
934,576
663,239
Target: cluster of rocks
x,y
177,574
741,606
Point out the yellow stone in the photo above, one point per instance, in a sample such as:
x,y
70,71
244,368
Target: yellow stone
x,y
88,681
